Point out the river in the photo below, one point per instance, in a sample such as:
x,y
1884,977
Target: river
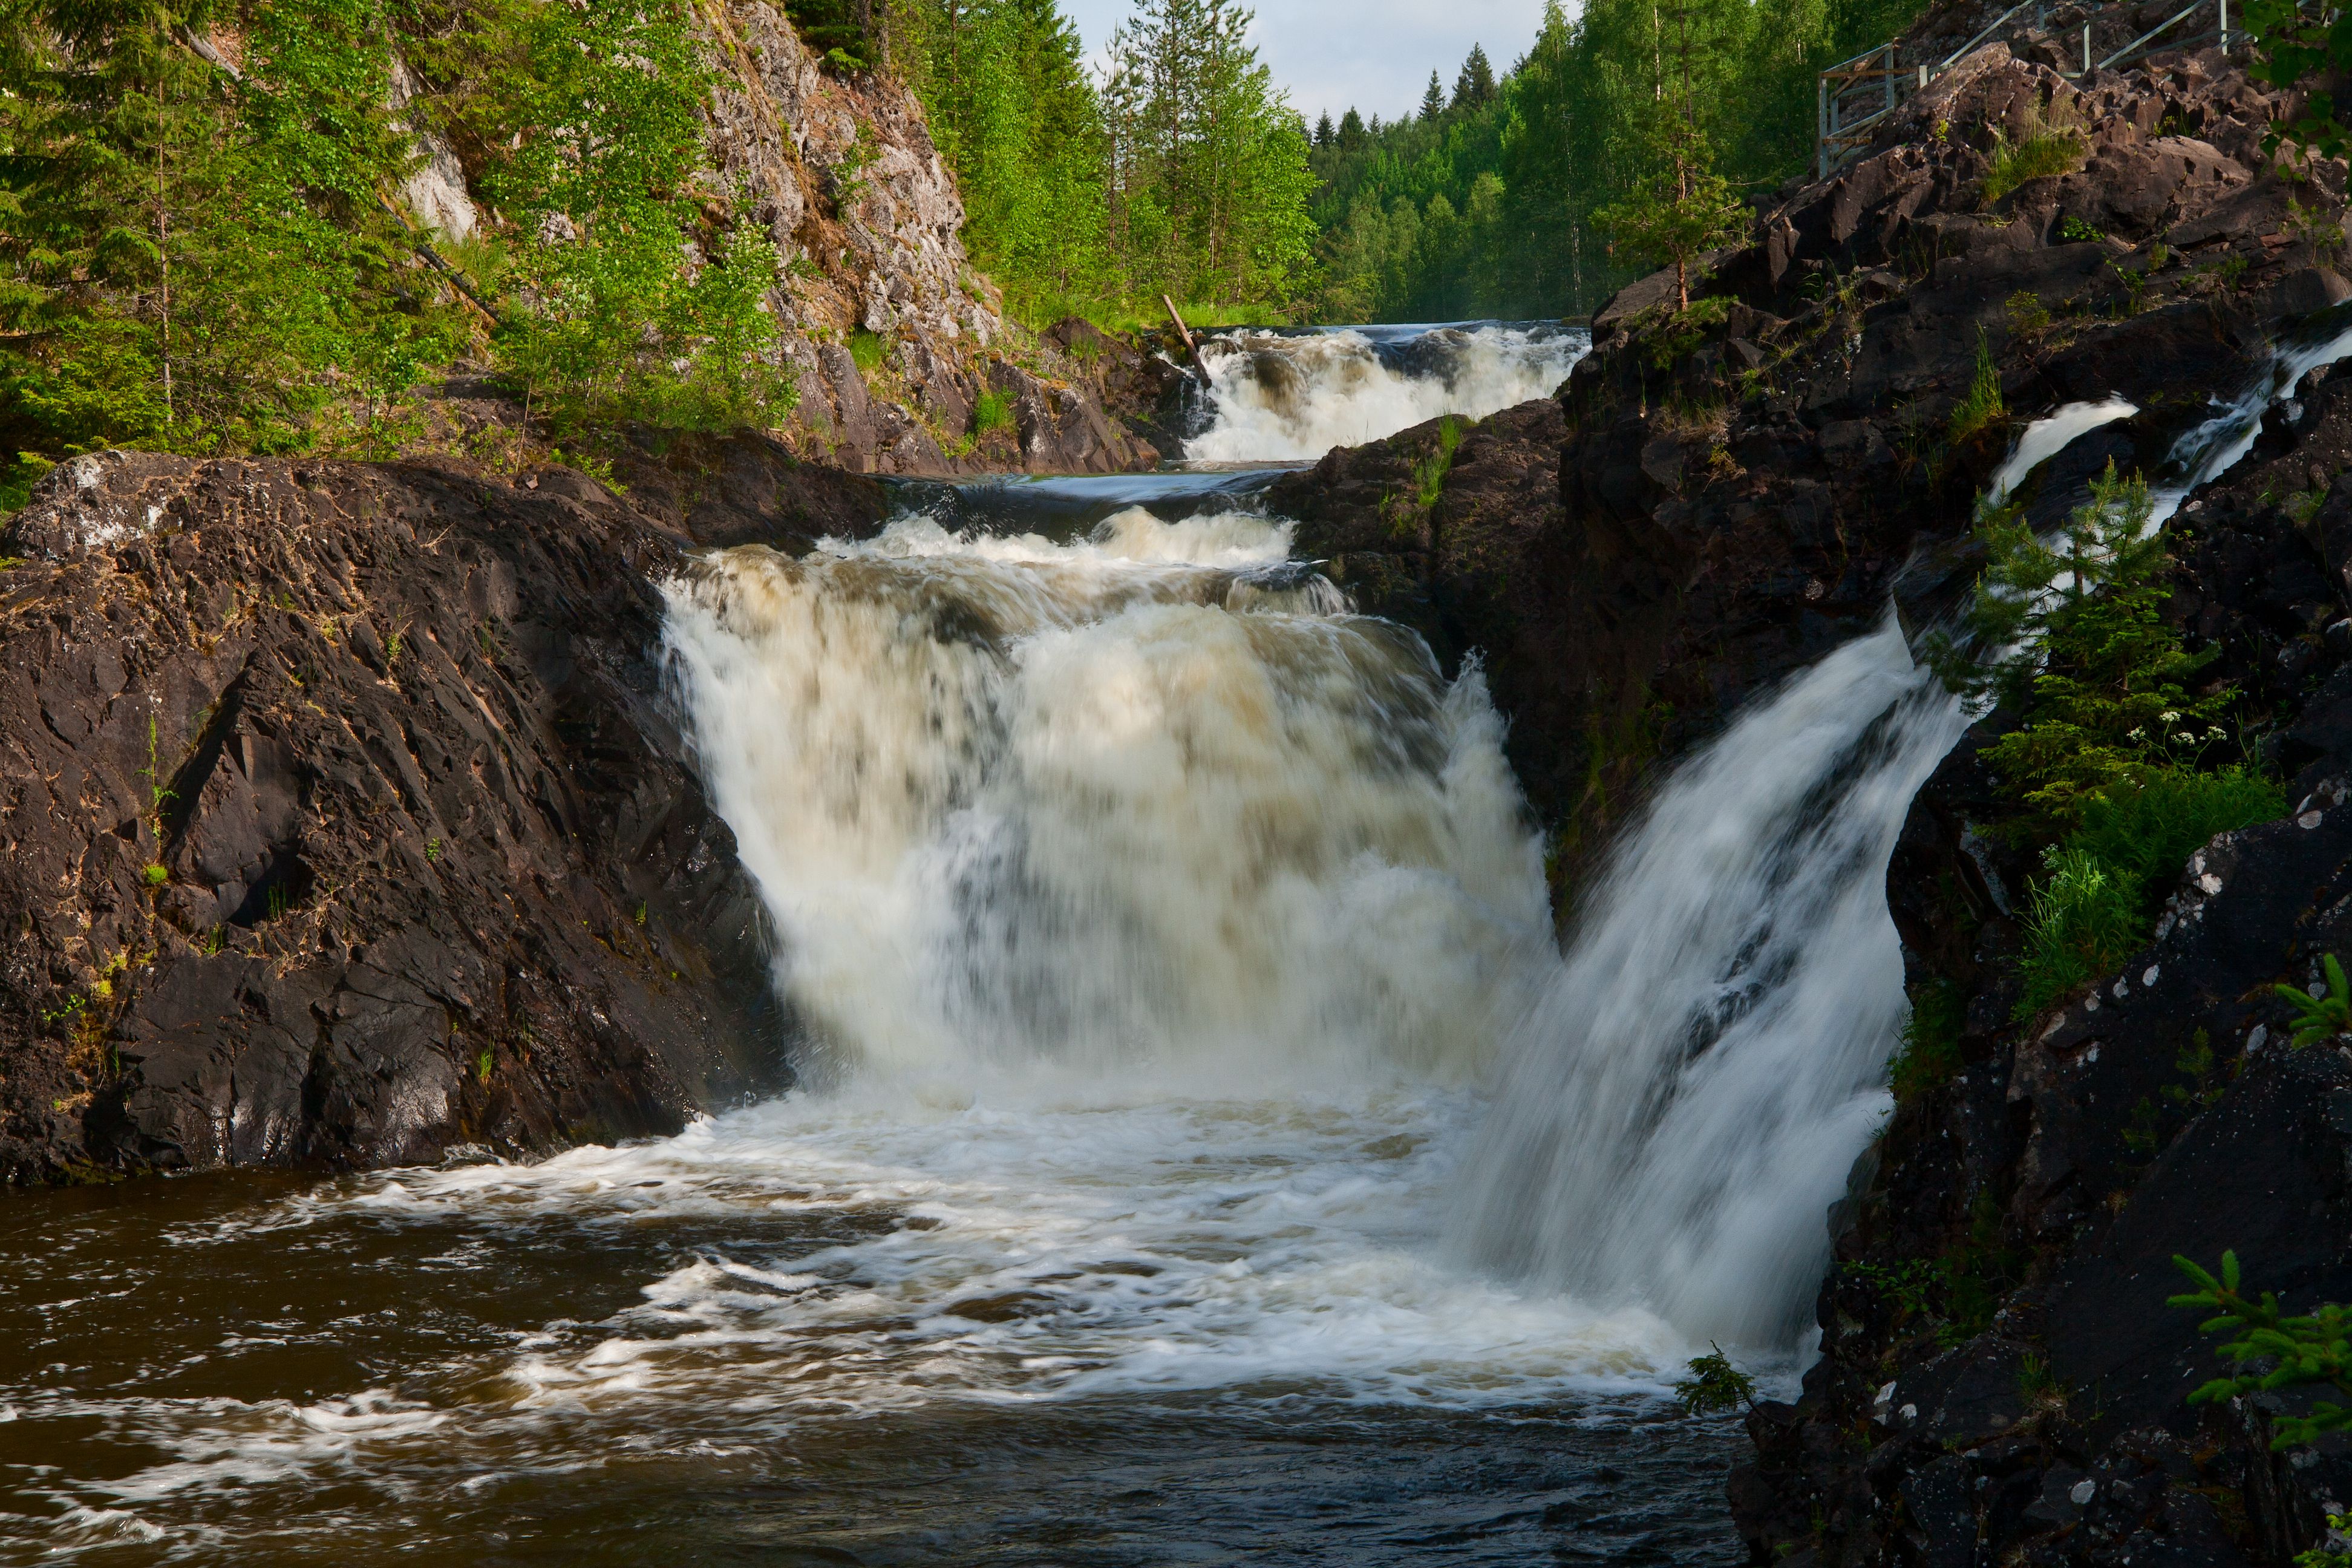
x,y
1160,932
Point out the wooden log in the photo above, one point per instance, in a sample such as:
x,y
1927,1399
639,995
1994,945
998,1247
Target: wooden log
x,y
1192,349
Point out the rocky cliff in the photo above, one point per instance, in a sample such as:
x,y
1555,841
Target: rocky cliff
x,y
892,334
342,819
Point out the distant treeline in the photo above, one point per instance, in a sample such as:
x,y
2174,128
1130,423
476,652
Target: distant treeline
x,y
1186,171
1486,200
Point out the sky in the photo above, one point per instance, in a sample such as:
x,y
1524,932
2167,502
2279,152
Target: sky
x,y
1375,54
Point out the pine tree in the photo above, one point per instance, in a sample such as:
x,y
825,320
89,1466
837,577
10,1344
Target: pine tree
x,y
1475,86
1683,207
1433,102
1352,136
1323,130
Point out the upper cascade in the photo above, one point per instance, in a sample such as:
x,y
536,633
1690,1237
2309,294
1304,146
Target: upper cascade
x,y
1291,396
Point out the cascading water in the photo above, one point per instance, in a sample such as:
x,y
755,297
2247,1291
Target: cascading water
x,y
1144,803
1686,1100
1207,1153
1294,396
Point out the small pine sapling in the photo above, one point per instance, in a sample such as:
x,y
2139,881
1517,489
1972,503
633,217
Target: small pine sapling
x,y
1714,1385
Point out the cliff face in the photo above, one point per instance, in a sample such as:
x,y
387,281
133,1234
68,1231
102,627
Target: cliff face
x,y
343,820
843,172
892,334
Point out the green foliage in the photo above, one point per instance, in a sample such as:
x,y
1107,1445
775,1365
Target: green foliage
x,y
867,350
2325,1017
1714,1385
2106,877
1183,172
2073,230
2148,827
1929,1055
17,480
2293,44
2302,1351
1568,132
992,411
836,31
1429,474
1982,407
2079,642
206,260
2084,920
156,876
1953,1295
2331,1552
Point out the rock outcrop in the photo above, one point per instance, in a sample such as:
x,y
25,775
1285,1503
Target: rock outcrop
x,y
895,335
343,819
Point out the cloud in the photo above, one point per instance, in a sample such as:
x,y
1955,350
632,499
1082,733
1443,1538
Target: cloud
x,y
1371,55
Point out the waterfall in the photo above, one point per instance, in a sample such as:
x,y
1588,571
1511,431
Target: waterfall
x,y
1145,801
1686,1097
1292,396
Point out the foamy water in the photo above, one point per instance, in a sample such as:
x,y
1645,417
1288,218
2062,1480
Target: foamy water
x,y
1285,397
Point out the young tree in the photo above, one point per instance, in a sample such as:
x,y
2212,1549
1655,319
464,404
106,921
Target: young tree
x,y
1682,208
1680,212
2071,632
1433,101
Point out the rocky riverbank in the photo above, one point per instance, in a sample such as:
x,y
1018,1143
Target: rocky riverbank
x,y
344,820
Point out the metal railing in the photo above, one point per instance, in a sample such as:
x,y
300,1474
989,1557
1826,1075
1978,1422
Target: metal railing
x,y
1854,97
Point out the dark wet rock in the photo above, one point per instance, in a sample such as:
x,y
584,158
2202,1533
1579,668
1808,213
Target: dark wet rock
x,y
345,822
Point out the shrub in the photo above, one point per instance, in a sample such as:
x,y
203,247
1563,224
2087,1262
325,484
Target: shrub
x,y
994,411
1714,1384
2150,826
2300,1351
2099,903
2083,920
2051,144
2079,643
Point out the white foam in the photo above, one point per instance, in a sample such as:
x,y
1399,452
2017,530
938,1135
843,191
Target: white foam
x,y
1104,806
1281,398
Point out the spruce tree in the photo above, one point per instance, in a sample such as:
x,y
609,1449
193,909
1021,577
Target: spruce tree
x,y
1323,130
1475,86
1433,102
1352,135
